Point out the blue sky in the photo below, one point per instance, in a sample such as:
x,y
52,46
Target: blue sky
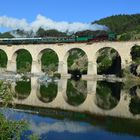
x,y
67,10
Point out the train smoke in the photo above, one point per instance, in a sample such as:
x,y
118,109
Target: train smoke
x,y
47,24
13,23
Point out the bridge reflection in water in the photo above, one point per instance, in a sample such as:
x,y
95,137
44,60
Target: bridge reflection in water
x,y
100,98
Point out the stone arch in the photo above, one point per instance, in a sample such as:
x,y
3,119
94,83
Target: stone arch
x,y
67,54
3,59
42,52
114,66
14,59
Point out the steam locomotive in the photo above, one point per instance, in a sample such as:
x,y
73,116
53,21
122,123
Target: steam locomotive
x,y
49,40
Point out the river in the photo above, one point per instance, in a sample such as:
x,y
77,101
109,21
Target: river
x,y
69,110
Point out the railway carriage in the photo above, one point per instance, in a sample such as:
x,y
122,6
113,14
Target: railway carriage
x,y
68,39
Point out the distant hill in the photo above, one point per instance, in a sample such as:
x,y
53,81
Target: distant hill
x,y
121,23
126,26
16,33
6,35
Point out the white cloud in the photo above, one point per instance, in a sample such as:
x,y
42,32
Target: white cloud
x,y
46,23
14,23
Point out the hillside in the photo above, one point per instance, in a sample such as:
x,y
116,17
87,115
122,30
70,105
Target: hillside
x,y
121,23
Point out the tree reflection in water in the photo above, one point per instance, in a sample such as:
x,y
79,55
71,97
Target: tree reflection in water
x,y
76,92
107,94
48,93
134,105
22,89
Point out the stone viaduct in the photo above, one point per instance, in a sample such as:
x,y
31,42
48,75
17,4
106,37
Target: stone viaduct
x,y
62,51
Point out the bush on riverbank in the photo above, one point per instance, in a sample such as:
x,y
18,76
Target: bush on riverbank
x,y
11,129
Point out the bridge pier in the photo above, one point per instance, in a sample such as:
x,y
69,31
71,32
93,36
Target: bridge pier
x,y
125,55
92,68
63,69
91,87
11,66
125,62
60,66
36,67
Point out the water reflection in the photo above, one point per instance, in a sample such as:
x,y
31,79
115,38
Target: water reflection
x,y
94,106
59,126
48,92
22,89
68,128
135,100
100,98
107,94
76,92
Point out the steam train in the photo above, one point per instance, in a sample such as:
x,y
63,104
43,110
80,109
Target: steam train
x,y
49,40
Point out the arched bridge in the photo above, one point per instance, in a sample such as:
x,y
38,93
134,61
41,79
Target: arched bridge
x,y
62,51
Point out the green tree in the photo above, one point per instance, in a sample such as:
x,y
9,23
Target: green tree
x,y
11,129
6,35
24,61
49,61
126,22
135,53
49,33
3,59
41,32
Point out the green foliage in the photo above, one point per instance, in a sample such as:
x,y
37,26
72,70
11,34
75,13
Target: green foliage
x,y
121,23
6,35
3,59
48,93
135,105
105,60
74,94
20,32
51,33
23,33
104,96
24,61
135,53
74,55
58,75
104,64
6,93
11,130
49,61
41,32
125,37
23,89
